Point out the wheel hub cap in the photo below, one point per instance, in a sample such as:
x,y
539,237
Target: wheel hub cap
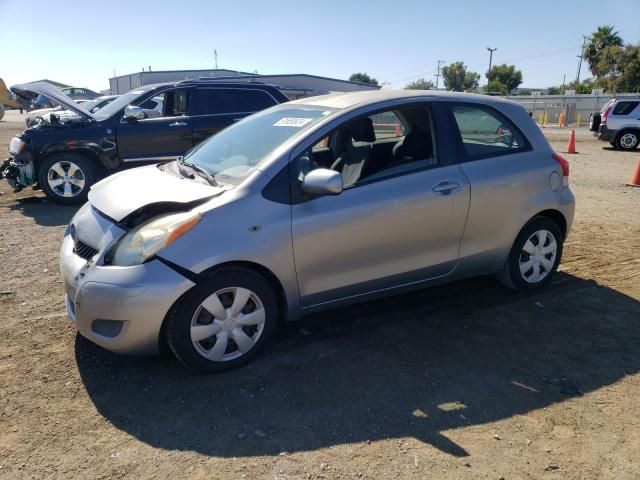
x,y
538,256
628,140
227,324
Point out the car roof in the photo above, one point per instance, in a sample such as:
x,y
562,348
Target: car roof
x,y
350,99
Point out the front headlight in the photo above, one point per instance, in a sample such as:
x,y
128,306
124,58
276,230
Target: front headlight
x,y
147,239
16,145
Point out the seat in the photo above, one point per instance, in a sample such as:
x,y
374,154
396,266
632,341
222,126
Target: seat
x,y
355,154
416,145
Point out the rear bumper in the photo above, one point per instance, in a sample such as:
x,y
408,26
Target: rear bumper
x,y
119,308
606,134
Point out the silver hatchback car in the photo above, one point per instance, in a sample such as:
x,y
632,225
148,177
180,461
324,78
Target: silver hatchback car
x,y
312,204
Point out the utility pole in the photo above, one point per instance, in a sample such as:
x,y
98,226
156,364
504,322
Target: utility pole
x,y
491,50
437,75
581,56
215,55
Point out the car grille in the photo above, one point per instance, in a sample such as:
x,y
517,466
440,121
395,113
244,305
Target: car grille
x,y
83,250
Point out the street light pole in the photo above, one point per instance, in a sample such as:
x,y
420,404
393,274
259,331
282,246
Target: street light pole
x,y
491,50
437,75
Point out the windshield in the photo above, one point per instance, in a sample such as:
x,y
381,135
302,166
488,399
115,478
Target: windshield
x,y
121,102
237,151
90,104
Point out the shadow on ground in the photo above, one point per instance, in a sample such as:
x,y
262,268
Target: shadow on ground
x,y
412,365
44,212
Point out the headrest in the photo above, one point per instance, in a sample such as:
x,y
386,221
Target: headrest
x,y
362,130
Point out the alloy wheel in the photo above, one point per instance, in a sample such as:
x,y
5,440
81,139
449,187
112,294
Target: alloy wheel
x,y
227,324
66,179
628,140
538,256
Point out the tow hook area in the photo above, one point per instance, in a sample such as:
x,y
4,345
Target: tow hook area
x,y
18,176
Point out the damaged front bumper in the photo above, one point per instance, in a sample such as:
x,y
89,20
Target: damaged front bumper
x,y
19,171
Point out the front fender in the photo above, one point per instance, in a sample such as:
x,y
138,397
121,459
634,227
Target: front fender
x,y
237,228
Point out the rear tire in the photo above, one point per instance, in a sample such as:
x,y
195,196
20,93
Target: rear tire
x,y
628,140
66,178
534,257
223,322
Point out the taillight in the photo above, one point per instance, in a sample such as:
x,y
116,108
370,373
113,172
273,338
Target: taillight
x,y
565,168
603,118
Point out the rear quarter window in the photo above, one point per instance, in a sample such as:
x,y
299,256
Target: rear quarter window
x,y
485,132
625,108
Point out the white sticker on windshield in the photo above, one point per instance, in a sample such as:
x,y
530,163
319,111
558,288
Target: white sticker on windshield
x,y
295,122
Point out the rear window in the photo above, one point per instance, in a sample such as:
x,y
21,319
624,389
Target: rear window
x,y
485,132
625,108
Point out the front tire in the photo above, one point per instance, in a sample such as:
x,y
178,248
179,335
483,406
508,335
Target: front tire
x,y
65,178
224,322
628,140
534,257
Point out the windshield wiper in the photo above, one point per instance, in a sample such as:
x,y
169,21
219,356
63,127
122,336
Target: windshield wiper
x,y
202,173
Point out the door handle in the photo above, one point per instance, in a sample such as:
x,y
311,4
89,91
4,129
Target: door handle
x,y
178,124
445,187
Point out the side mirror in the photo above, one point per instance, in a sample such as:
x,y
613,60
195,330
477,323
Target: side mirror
x,y
133,113
322,181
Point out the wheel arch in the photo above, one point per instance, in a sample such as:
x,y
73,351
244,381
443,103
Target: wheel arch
x,y
256,267
85,152
555,215
628,129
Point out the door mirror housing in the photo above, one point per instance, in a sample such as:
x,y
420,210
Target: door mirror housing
x,y
133,113
322,181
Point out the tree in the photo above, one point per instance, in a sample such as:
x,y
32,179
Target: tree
x,y
603,37
496,86
505,74
583,87
457,78
622,67
554,91
420,84
363,78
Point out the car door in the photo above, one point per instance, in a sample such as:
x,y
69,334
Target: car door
x,y
398,226
214,108
164,134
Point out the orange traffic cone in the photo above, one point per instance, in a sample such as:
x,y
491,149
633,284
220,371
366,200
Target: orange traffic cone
x,y
571,146
634,181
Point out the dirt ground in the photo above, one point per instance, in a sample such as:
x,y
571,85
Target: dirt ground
x,y
464,381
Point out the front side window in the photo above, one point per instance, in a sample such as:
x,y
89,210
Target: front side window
x,y
363,153
485,132
235,152
171,103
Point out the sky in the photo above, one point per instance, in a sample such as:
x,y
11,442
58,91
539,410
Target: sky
x,y
82,43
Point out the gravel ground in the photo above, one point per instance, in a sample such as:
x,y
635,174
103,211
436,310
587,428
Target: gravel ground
x,y
499,385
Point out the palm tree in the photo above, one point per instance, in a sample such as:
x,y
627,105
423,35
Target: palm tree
x,y
603,37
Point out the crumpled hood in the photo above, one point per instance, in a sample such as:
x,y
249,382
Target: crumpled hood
x,y
126,192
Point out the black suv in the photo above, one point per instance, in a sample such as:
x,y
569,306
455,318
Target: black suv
x,y
152,123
